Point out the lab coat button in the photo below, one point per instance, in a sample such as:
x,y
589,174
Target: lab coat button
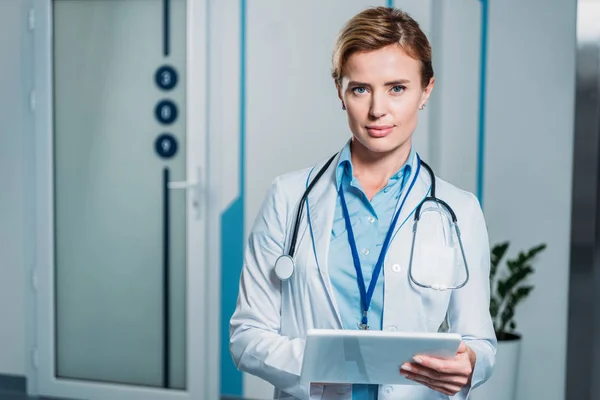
x,y
388,389
396,267
392,328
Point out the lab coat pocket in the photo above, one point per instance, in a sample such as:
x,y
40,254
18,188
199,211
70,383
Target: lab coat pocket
x,y
435,266
434,306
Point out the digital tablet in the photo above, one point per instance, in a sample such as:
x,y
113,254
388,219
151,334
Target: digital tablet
x,y
369,357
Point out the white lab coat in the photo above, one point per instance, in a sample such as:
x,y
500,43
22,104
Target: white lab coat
x,y
269,325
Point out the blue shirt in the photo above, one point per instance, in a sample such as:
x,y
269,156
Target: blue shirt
x,y
370,223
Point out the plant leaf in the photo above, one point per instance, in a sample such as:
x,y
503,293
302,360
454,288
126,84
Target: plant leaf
x,y
535,250
513,300
508,294
513,266
524,258
504,287
497,253
520,294
494,306
507,315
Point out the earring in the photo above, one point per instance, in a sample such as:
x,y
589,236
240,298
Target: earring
x,y
343,106
422,106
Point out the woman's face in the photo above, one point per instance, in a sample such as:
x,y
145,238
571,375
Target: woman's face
x,y
382,93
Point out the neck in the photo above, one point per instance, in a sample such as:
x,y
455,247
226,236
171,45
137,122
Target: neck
x,y
374,170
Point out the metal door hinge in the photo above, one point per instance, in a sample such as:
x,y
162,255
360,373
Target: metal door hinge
x,y
31,19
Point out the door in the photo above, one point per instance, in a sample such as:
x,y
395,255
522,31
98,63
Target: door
x,y
121,199
583,360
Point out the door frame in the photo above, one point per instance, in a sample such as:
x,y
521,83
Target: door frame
x,y
202,376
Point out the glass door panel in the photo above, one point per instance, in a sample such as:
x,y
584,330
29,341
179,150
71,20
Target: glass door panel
x,y
119,138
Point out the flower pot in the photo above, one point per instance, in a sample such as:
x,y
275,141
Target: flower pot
x,y
502,384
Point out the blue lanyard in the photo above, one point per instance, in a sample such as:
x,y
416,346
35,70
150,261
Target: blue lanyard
x,y
366,296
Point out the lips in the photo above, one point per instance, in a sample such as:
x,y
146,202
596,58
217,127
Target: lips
x,y
379,130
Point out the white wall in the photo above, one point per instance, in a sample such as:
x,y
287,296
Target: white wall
x,y
456,42
13,114
528,168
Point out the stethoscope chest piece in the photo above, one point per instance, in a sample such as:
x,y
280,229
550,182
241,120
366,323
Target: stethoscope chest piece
x,y
284,267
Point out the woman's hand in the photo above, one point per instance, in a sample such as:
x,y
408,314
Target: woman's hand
x,y
445,376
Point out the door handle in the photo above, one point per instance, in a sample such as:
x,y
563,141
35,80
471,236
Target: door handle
x,y
190,184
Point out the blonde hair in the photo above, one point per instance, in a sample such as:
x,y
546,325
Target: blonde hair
x,y
378,27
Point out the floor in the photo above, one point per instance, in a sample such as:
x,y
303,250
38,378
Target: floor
x,y
13,388
19,396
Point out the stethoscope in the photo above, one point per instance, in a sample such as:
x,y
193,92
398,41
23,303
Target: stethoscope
x,y
285,265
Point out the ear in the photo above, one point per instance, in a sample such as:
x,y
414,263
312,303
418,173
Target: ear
x,y
427,91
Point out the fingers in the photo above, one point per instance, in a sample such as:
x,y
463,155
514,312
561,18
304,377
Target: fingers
x,y
447,389
430,375
444,376
447,376
443,383
460,365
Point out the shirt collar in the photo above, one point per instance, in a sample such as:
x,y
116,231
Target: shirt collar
x,y
344,167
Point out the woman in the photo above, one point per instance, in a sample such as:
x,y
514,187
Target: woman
x,y
383,74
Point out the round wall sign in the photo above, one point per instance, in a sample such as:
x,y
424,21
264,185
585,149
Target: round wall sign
x,y
166,112
166,145
166,77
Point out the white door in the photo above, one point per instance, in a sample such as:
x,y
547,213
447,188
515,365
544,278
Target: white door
x,y
120,279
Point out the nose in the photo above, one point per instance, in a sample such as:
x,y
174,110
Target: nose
x,y
378,106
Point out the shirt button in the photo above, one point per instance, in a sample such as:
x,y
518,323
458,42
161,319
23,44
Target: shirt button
x,y
365,251
388,389
371,219
392,328
396,267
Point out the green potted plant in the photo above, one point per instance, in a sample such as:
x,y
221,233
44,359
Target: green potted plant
x,y
508,288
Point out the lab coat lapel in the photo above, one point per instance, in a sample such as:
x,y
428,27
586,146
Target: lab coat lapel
x,y
321,208
415,194
401,299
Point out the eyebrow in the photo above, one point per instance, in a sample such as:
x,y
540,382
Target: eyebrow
x,y
392,83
